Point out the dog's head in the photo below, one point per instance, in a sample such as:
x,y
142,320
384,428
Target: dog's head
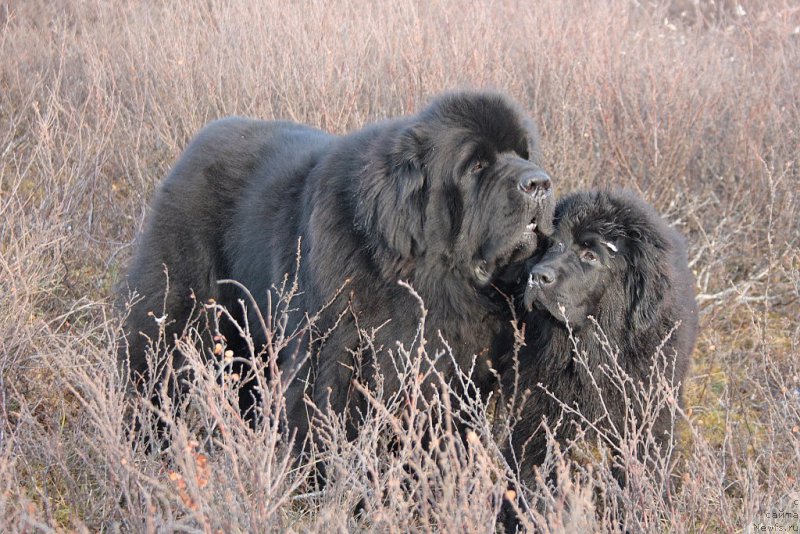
x,y
466,191
609,255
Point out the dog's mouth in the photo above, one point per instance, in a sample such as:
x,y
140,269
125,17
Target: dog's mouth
x,y
540,223
530,234
531,227
539,226
521,248
542,219
527,241
521,244
535,298
532,296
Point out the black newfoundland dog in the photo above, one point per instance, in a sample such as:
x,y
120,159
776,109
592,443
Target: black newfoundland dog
x,y
443,200
613,263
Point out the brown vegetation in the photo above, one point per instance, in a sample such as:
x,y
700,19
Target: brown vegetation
x,y
694,104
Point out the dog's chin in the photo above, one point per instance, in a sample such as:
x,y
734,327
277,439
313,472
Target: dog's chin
x,y
567,318
535,299
552,312
521,251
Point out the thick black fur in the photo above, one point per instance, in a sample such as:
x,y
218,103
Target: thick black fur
x,y
443,199
611,257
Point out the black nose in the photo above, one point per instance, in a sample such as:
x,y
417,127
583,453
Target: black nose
x,y
542,276
534,181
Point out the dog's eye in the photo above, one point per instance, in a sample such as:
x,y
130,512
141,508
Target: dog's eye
x,y
478,165
589,256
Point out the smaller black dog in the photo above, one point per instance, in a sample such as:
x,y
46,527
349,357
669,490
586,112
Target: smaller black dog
x,y
611,263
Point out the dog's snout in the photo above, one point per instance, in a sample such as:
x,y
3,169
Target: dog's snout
x,y
542,276
539,279
532,182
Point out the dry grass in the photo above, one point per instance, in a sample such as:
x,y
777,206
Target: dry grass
x,y
696,106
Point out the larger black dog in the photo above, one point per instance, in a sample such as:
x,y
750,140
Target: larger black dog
x,y
443,199
614,259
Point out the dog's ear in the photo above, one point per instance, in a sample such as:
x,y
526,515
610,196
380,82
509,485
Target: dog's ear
x,y
395,195
407,163
648,277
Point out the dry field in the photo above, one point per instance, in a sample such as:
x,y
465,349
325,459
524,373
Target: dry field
x,y
694,104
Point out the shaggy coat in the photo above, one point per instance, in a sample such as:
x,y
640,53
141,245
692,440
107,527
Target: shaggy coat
x,y
443,200
616,275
